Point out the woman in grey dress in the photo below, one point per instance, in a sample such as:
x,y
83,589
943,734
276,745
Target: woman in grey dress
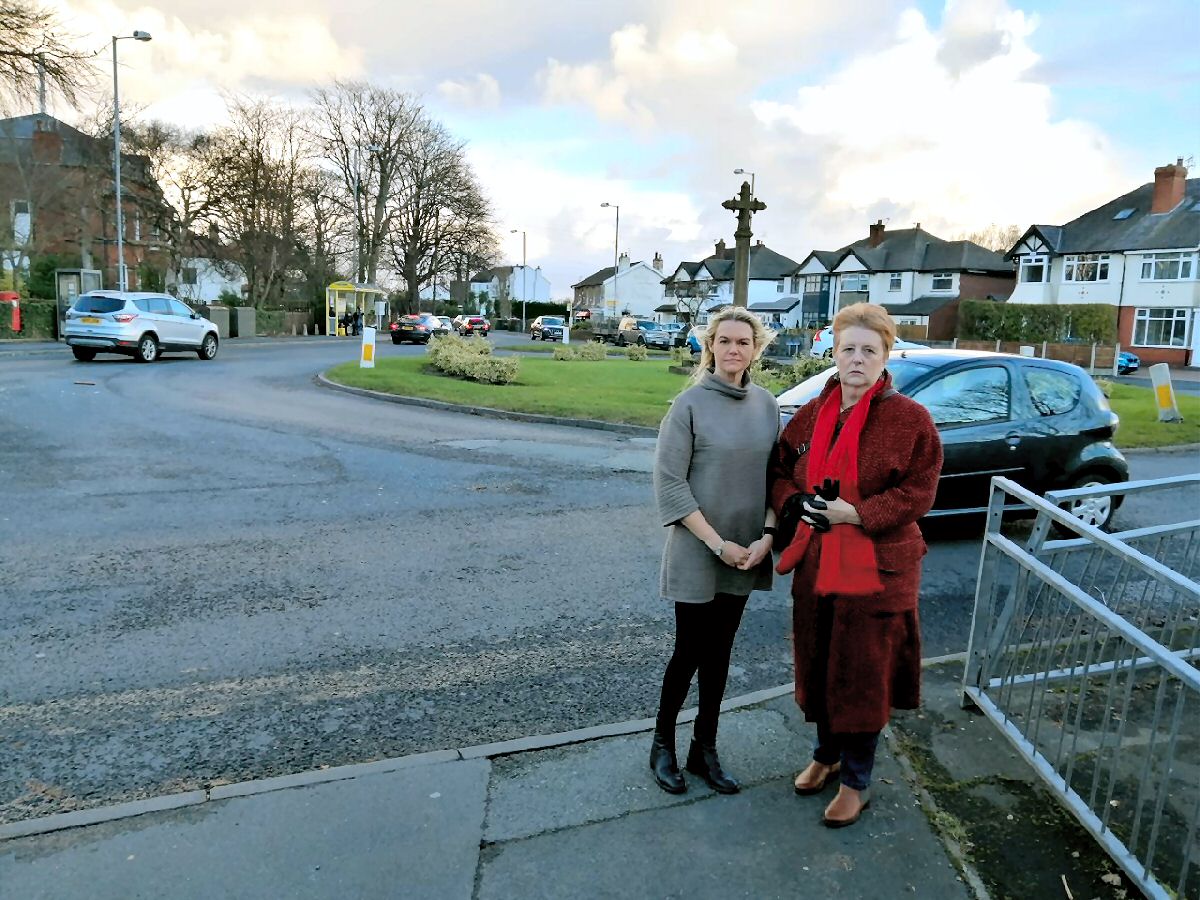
x,y
711,485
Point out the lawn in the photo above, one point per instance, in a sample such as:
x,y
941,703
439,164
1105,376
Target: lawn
x,y
638,393
1139,418
616,390
548,347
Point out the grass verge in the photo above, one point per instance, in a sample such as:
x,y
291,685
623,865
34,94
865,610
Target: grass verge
x,y
1139,418
616,390
638,393
548,347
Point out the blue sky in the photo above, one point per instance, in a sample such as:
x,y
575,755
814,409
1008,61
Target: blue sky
x,y
955,114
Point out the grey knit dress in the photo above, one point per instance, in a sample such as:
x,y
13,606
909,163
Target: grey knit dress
x,y
713,448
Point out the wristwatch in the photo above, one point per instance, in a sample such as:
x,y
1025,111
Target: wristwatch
x,y
719,549
771,530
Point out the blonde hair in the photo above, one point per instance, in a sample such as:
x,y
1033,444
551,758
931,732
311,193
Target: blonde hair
x,y
866,315
762,336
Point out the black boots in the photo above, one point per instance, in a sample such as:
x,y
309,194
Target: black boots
x,y
703,761
663,764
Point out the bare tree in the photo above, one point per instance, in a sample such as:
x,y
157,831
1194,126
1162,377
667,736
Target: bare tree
x,y
184,165
995,237
263,157
32,48
325,235
362,131
434,192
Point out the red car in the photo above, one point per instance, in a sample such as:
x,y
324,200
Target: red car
x,y
474,325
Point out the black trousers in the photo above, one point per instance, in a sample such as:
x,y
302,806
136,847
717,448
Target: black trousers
x,y
704,634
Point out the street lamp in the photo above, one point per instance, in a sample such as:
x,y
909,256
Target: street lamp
x,y
514,231
751,174
122,277
616,244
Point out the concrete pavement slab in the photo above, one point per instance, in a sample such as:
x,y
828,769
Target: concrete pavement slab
x,y
763,843
411,833
537,792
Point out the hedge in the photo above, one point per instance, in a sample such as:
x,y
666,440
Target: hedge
x,y
983,320
471,358
37,319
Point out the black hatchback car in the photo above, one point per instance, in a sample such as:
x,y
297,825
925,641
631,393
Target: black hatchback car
x,y
417,328
1041,423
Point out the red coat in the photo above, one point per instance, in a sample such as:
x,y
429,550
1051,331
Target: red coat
x,y
874,654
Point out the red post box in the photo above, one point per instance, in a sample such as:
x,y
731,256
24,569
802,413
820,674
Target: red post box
x,y
13,299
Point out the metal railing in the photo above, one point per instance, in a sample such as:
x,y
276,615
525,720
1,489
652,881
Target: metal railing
x,y
1083,652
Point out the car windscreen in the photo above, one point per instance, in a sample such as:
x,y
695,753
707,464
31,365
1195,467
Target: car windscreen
x,y
647,326
551,321
88,303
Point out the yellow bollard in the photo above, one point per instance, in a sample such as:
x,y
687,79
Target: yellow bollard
x,y
1164,393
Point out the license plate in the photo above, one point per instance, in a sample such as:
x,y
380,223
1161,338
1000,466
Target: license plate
x,y
89,320
406,328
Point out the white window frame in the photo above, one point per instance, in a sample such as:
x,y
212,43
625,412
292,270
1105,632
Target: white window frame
x,y
1030,262
941,276
1144,315
895,281
779,285
1086,267
1154,264
189,270
22,222
861,280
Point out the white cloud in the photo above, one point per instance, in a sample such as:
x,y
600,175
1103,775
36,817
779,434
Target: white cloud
x,y
483,91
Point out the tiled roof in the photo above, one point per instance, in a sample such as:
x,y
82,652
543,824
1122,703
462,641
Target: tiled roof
x,y
765,264
1098,231
916,250
922,306
782,304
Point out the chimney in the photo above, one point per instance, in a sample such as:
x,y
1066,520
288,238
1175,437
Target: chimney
x,y
658,261
719,251
876,234
1168,187
47,145
623,262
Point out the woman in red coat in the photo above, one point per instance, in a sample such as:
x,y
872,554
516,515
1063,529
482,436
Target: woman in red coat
x,y
853,472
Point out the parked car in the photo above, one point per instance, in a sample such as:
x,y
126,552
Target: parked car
x,y
679,333
1042,423
138,324
632,330
693,339
416,328
546,328
1127,363
474,325
447,324
823,344
660,338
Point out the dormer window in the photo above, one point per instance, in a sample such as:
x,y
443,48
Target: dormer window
x,y
1086,267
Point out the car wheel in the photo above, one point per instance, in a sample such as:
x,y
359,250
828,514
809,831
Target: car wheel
x,y
208,347
641,341
147,349
1095,511
84,354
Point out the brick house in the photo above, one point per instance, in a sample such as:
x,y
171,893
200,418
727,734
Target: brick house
x,y
919,277
56,197
1139,253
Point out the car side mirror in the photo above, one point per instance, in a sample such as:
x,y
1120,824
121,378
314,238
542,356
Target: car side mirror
x,y
195,315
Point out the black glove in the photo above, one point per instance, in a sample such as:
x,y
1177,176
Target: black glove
x,y
793,512
828,490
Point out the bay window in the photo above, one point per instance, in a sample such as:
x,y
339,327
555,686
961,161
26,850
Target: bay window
x,y
1164,327
1035,269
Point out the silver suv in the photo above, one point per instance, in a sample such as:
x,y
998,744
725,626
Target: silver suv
x,y
140,325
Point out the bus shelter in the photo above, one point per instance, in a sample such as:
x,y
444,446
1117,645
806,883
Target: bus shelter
x,y
343,297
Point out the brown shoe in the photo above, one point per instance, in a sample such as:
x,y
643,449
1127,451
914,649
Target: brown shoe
x,y
815,778
846,807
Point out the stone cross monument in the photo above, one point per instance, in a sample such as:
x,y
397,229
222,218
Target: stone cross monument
x,y
745,206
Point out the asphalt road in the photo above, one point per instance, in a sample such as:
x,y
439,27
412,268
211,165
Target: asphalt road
x,y
221,571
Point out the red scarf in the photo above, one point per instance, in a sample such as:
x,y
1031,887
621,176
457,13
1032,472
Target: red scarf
x,y
847,563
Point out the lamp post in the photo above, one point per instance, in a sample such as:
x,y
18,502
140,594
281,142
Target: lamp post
x,y
751,174
616,244
514,231
122,277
